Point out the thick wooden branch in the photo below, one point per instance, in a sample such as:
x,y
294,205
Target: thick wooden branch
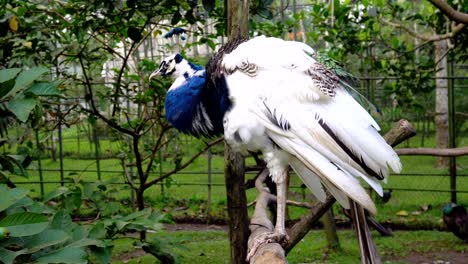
x,y
301,228
261,224
401,131
446,152
451,13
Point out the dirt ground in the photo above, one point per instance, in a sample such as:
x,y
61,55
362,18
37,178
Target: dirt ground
x,y
450,257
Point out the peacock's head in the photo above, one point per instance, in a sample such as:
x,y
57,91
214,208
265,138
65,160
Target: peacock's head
x,y
448,209
170,66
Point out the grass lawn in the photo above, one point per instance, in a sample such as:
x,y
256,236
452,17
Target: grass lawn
x,y
420,185
212,247
187,194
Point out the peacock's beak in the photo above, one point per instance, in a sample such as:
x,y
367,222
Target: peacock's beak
x,y
154,74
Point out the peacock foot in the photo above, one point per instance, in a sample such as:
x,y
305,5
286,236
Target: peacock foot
x,y
265,238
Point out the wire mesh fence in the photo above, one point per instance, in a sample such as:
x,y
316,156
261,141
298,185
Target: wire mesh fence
x,y
91,151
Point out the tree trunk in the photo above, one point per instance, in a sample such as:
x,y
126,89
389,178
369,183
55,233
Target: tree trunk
x,y
238,18
441,107
238,219
238,25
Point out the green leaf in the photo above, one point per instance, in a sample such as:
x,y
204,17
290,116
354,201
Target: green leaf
x,y
8,74
45,88
45,239
98,231
56,193
22,106
79,232
86,242
8,256
27,77
145,212
62,221
66,255
11,196
25,224
6,87
103,255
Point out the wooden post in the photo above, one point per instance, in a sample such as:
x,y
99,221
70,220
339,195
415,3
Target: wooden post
x,y
238,18
238,26
238,220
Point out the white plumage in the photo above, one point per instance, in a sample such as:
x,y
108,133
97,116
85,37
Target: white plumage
x,y
282,87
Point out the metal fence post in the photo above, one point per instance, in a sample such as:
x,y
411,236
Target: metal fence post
x,y
452,142
208,209
160,172
39,164
96,150
59,116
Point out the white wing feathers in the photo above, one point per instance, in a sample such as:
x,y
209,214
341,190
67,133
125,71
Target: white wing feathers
x,y
331,138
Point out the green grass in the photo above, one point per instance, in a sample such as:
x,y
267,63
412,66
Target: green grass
x,y
187,195
189,188
212,247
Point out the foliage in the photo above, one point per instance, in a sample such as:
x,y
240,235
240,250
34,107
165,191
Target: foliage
x,y
357,36
43,231
210,246
20,100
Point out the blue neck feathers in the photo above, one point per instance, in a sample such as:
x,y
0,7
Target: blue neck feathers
x,y
195,108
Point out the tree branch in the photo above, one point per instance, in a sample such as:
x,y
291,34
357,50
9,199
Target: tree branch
x,y
401,131
450,12
188,162
127,175
156,148
90,98
301,228
446,152
435,37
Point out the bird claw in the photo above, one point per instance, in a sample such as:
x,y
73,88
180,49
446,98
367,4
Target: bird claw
x,y
266,238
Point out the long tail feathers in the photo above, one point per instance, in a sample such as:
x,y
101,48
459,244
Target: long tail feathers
x,y
369,254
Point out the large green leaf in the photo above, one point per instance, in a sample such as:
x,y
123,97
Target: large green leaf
x,y
98,231
56,193
25,78
25,224
102,254
22,106
47,238
8,256
66,255
62,220
8,74
45,88
11,196
7,81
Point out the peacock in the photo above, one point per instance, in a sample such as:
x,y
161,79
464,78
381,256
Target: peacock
x,y
275,96
456,219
